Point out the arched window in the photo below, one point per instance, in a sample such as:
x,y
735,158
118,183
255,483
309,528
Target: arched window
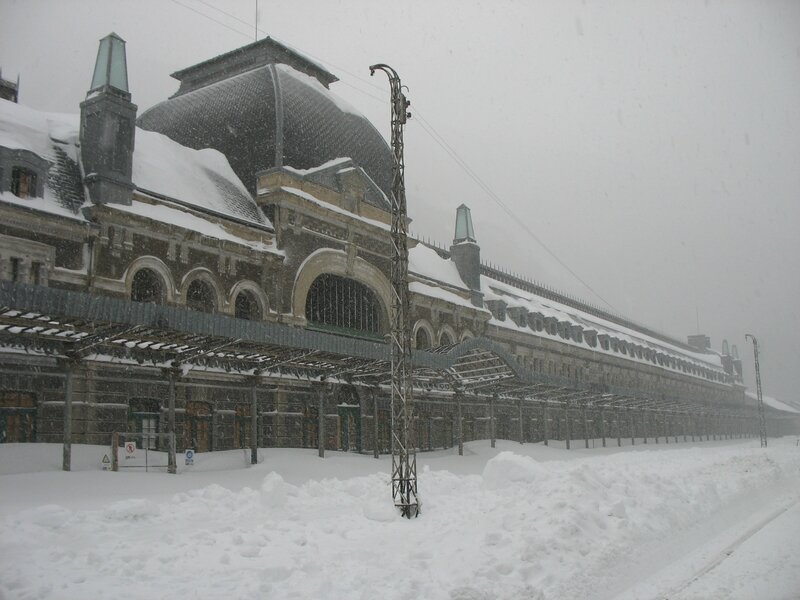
x,y
423,339
200,297
147,287
247,307
341,303
445,339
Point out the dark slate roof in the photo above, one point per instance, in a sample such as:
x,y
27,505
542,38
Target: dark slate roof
x,y
65,180
271,116
52,138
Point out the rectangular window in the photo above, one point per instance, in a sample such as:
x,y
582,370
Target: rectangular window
x,y
36,273
23,183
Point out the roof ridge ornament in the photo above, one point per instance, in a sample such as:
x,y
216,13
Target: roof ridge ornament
x,y
464,229
111,66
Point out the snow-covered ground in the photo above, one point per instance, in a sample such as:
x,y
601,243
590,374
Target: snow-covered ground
x,y
705,520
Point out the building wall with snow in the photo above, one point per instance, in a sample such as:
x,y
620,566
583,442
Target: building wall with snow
x,y
219,221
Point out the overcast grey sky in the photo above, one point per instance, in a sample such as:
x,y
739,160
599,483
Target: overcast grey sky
x,y
653,146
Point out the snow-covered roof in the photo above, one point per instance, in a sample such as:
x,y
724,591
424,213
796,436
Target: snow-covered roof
x,y
429,266
52,137
496,290
313,82
328,175
773,402
202,179
194,222
328,206
426,262
434,291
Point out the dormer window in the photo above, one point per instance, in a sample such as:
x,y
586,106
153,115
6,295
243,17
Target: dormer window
x,y
23,182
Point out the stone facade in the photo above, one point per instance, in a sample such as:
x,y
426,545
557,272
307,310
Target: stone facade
x,y
262,260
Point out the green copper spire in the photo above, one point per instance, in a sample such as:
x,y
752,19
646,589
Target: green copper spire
x,y
464,231
111,67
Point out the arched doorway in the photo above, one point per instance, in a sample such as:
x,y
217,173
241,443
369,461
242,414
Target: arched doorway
x,y
197,427
348,407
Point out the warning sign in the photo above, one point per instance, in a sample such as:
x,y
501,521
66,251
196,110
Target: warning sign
x,y
106,462
130,450
189,456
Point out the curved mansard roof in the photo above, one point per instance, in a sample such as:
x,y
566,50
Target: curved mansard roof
x,y
268,115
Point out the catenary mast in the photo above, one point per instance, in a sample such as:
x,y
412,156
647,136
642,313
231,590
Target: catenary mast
x,y
762,420
404,458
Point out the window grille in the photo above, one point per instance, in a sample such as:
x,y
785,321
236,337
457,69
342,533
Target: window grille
x,y
246,307
343,303
200,297
147,287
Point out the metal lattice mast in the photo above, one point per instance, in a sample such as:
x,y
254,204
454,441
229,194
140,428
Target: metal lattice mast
x,y
404,458
762,419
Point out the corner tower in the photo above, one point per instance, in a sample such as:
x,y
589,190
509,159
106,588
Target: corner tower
x,y
108,124
467,254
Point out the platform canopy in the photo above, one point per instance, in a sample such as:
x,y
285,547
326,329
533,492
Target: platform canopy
x,y
75,326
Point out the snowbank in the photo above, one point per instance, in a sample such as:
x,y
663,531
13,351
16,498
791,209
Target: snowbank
x,y
516,522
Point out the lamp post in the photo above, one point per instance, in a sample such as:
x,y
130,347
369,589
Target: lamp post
x,y
762,420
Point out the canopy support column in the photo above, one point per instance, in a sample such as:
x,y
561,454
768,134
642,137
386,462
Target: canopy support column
x,y
69,368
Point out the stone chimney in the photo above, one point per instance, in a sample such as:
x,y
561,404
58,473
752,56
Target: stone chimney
x,y
467,254
700,342
108,125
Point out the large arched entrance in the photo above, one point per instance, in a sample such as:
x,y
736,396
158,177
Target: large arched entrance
x,y
345,306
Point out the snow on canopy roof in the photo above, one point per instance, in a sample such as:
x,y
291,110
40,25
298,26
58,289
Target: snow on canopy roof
x,y
200,178
427,263
773,402
496,290
52,137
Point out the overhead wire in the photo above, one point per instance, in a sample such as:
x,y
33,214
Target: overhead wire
x,y
429,129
